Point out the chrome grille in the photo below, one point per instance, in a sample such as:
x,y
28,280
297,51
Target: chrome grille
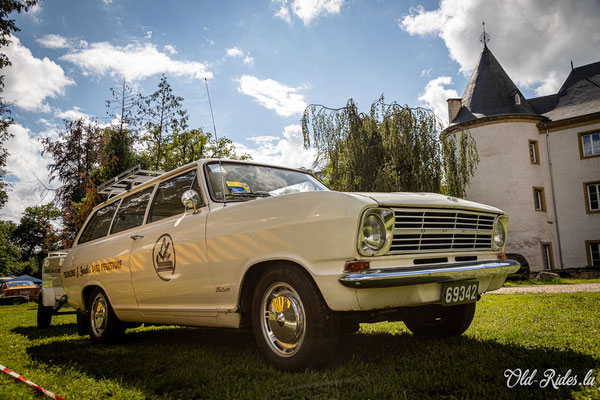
x,y
439,230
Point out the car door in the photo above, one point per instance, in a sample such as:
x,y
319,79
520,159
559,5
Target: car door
x,y
103,259
170,271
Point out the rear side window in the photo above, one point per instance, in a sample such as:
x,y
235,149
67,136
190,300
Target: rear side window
x,y
132,210
98,225
167,201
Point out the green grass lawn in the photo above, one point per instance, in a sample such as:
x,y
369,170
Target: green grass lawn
x,y
531,331
556,281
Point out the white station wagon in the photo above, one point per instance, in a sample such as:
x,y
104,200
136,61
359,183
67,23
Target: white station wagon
x,y
245,245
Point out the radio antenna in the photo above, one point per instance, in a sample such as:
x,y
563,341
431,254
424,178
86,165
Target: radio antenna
x,y
222,172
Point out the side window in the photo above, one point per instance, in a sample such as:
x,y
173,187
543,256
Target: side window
x,y
132,210
167,200
99,223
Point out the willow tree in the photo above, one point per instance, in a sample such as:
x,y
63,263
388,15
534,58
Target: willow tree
x,y
392,148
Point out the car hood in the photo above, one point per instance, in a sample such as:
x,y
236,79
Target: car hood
x,y
404,199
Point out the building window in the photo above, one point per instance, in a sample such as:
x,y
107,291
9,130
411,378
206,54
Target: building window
x,y
593,252
592,197
517,99
539,200
589,144
534,155
547,261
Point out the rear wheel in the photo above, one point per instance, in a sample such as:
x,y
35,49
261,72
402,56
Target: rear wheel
x,y
103,324
440,321
44,314
292,324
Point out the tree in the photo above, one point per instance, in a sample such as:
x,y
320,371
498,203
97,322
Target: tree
x,y
34,229
191,145
9,253
163,115
116,150
76,165
123,108
393,148
7,26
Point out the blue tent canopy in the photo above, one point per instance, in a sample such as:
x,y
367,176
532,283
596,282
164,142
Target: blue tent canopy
x,y
25,278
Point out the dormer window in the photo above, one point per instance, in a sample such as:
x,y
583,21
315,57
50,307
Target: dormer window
x,y
517,99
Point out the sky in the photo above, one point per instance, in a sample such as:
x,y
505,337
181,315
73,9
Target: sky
x,y
265,61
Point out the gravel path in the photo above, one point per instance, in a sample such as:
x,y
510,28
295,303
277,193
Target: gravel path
x,y
580,287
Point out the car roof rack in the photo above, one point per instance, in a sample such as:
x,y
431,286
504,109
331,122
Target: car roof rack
x,y
125,181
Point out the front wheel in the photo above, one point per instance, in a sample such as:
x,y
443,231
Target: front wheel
x,y
103,324
440,321
44,314
292,324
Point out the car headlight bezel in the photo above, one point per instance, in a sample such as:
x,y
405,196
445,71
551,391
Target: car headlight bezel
x,y
499,233
377,244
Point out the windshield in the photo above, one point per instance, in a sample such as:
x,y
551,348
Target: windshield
x,y
19,283
233,181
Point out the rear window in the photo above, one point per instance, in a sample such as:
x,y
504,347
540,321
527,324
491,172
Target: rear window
x,y
19,283
132,210
167,200
98,225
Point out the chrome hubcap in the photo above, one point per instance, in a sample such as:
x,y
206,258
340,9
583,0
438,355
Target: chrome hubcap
x,y
283,323
98,312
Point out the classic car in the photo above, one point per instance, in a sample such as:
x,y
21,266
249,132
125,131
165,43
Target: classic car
x,y
239,244
18,290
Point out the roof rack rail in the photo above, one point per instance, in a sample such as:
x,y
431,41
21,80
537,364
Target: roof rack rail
x,y
126,180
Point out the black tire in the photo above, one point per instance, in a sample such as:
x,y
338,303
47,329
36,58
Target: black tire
x,y
292,324
103,324
438,321
82,323
44,314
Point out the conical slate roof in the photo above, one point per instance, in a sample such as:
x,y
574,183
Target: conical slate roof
x,y
490,91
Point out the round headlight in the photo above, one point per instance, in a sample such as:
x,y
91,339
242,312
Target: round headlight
x,y
374,232
499,235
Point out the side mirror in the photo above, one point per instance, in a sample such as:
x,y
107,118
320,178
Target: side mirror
x,y
190,199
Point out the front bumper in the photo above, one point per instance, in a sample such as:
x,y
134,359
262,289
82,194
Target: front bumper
x,y
403,276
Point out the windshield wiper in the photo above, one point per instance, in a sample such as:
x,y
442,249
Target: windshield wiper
x,y
248,194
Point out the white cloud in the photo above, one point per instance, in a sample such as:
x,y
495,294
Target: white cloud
x,y
210,42
34,13
426,72
234,52
170,49
25,165
53,41
284,100
29,80
148,35
533,40
284,14
436,96
72,114
288,151
133,62
307,10
107,1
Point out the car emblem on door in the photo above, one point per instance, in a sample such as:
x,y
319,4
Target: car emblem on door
x,y
163,257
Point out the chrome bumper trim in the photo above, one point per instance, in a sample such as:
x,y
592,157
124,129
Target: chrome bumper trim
x,y
402,276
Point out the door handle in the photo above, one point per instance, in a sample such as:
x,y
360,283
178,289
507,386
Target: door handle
x,y
136,237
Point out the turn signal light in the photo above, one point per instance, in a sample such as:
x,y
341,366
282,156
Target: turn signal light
x,y
502,257
357,265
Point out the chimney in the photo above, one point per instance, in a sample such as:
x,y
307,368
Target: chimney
x,y
453,108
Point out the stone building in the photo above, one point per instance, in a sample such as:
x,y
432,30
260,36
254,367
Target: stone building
x,y
540,161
